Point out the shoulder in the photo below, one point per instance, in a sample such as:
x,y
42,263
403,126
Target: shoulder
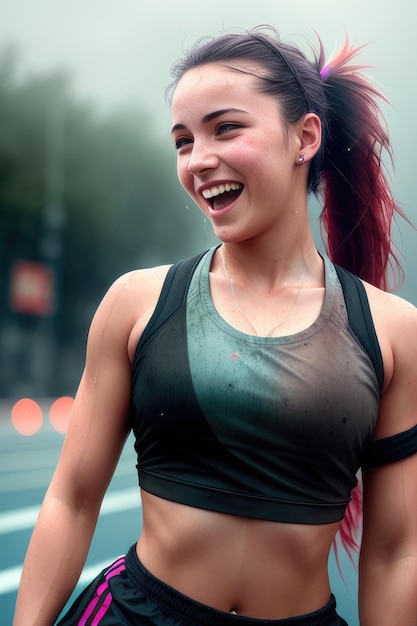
x,y
128,305
393,316
137,285
395,321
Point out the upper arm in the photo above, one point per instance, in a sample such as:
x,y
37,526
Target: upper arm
x,y
99,422
390,491
396,326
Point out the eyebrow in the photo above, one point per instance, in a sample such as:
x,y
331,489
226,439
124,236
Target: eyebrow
x,y
207,118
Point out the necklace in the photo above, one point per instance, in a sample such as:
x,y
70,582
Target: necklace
x,y
238,307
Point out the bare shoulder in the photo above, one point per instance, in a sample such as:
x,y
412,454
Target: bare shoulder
x,y
395,322
129,303
138,286
391,313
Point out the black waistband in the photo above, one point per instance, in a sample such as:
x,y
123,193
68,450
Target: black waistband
x,y
189,609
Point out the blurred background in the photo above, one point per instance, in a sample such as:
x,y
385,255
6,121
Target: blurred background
x,y
88,191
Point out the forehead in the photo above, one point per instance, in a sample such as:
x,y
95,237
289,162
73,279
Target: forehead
x,y
235,78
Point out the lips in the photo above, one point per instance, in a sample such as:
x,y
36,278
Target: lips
x,y
222,195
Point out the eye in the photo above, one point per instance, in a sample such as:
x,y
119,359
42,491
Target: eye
x,y
227,127
180,142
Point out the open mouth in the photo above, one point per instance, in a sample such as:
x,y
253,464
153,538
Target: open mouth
x,y
220,196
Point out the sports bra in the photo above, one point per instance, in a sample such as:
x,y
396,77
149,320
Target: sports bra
x,y
273,428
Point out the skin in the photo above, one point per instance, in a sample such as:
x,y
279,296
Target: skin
x,y
261,569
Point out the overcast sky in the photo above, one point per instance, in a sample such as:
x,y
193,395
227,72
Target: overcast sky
x,y
120,51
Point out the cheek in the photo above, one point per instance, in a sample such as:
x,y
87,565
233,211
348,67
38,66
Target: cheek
x,y
243,156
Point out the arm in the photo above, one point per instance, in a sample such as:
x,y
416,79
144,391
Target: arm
x,y
96,434
388,560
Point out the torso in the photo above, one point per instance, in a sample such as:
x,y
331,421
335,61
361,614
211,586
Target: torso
x,y
259,568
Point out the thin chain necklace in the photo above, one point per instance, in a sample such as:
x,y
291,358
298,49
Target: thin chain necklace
x,y
238,307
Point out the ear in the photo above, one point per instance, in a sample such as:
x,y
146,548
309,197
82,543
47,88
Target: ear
x,y
309,133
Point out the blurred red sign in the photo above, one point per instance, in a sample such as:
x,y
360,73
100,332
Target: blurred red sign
x,y
32,288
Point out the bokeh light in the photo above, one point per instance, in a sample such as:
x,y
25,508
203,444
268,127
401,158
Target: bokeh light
x,y
59,413
27,416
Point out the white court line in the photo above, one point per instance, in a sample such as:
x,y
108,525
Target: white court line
x,y
40,478
113,502
10,578
18,520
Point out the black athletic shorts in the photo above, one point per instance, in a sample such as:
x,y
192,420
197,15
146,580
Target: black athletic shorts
x,y
126,594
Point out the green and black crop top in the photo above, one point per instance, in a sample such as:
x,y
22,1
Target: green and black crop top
x,y
273,428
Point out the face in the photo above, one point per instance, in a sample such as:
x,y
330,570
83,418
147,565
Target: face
x,y
236,158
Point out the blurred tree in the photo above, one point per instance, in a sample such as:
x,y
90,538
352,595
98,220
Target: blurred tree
x,y
86,195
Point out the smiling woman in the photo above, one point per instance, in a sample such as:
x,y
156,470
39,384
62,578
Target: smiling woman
x,y
258,378
234,136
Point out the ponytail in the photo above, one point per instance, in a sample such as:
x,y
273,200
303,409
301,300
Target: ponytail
x,y
358,205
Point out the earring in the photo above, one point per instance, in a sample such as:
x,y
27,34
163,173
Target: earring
x,y
301,158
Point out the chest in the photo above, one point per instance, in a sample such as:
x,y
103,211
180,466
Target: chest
x,y
318,389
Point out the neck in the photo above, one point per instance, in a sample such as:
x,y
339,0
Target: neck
x,y
269,267
270,309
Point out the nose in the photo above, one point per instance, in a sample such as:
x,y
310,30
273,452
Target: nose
x,y
202,157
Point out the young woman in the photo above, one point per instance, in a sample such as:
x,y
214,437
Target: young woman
x,y
258,381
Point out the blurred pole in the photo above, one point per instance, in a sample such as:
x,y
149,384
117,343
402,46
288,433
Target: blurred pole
x,y
29,337
45,353
54,214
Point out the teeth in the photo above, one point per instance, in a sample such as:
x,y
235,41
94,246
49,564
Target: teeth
x,y
218,190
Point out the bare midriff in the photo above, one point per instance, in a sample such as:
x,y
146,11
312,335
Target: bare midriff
x,y
256,568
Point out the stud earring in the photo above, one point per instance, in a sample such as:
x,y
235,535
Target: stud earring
x,y
301,158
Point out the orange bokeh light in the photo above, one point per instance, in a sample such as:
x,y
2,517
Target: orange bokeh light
x,y
27,416
59,413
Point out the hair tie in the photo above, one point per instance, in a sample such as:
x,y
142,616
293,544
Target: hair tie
x,y
325,71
